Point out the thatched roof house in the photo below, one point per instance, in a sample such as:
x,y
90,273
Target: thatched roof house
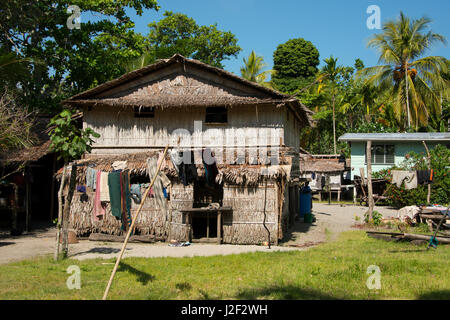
x,y
188,105
317,168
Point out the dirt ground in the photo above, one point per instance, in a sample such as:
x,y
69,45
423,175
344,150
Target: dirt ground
x,y
331,220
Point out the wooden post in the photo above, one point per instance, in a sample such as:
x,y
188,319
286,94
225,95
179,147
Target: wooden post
x,y
66,211
27,206
329,189
14,229
219,227
207,225
52,194
369,179
105,295
60,209
429,168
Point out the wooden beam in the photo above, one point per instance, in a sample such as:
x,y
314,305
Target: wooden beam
x,y
219,227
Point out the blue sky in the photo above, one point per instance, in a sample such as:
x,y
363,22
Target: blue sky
x,y
335,27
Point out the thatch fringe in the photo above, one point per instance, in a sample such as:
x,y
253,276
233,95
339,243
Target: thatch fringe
x,y
240,174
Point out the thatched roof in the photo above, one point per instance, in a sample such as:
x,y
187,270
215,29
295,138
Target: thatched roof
x,y
321,163
157,85
241,174
40,148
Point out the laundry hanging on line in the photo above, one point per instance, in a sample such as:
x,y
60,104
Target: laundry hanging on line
x,y
409,178
209,163
91,178
425,176
99,207
184,164
119,195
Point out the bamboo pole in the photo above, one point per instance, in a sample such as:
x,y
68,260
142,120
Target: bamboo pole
x,y
132,225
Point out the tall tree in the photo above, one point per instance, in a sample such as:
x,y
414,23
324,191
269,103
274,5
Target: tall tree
x,y
330,75
178,33
295,64
414,80
72,59
253,69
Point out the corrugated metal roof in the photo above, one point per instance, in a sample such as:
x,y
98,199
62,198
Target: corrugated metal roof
x,y
416,136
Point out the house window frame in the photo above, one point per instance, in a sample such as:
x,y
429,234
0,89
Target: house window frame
x,y
224,113
385,154
141,112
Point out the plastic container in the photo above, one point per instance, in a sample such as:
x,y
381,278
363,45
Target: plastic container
x,y
305,201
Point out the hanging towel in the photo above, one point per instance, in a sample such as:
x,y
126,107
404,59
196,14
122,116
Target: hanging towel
x,y
409,178
91,178
104,187
125,199
115,196
99,210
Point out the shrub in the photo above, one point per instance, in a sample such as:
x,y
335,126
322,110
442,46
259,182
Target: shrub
x,y
440,188
376,216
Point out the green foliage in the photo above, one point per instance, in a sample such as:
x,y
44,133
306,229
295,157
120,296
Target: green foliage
x,y
440,188
253,69
15,125
177,33
294,61
376,218
67,139
415,83
72,60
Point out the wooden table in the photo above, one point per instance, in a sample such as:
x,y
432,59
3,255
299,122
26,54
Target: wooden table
x,y
207,211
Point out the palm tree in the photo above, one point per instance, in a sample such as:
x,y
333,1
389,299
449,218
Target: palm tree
x,y
252,69
414,81
329,76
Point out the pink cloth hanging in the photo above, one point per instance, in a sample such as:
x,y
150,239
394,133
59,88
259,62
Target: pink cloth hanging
x,y
99,210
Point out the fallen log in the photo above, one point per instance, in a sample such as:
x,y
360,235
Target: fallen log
x,y
410,236
115,238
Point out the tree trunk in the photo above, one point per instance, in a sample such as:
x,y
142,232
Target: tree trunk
x,y
60,209
407,95
369,180
334,126
429,168
66,212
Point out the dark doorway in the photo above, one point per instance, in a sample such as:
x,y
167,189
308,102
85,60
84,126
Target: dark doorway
x,y
204,225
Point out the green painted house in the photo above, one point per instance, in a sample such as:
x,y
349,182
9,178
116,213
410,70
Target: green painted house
x,y
389,149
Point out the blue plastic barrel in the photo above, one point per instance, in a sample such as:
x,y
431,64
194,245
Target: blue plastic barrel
x,y
305,201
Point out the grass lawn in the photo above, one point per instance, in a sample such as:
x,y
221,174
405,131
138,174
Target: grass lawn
x,y
335,270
